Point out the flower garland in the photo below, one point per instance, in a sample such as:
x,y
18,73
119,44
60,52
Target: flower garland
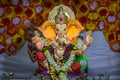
x,y
63,69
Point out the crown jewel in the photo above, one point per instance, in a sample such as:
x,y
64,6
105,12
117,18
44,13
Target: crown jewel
x,y
60,18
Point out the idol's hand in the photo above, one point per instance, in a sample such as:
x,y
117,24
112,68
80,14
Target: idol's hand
x,y
38,42
79,52
39,45
89,38
36,38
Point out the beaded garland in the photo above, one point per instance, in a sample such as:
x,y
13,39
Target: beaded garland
x,y
60,69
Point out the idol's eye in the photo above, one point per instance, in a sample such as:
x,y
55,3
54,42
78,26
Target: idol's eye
x,y
57,29
65,29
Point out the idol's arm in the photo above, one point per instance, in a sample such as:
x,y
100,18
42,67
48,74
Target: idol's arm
x,y
88,41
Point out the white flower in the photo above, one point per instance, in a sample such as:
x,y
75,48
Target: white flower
x,y
25,3
15,2
2,29
12,48
16,20
9,40
1,11
27,23
83,62
38,9
116,46
93,5
111,19
1,47
118,14
101,25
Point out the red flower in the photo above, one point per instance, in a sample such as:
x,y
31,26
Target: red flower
x,y
56,1
41,57
11,30
113,0
117,34
7,10
38,20
68,49
47,4
19,40
76,67
83,8
52,51
6,21
83,20
66,2
18,9
35,1
111,37
103,12
76,1
28,12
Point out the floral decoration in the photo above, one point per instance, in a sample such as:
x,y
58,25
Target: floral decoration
x,y
90,26
18,39
115,46
84,7
18,9
101,24
92,16
1,11
16,20
1,38
118,15
12,49
103,12
93,5
2,29
113,7
60,69
2,48
15,2
27,15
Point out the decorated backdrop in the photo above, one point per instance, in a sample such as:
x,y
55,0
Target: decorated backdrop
x,y
19,19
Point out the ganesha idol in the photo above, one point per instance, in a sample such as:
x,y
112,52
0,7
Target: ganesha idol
x,y
59,49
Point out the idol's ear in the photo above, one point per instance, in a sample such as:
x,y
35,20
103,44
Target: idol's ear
x,y
48,30
40,29
73,29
